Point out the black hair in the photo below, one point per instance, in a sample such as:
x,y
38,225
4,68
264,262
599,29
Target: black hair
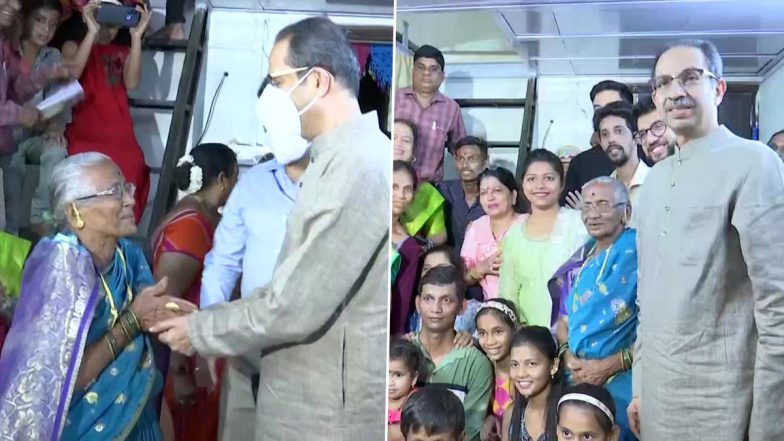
x,y
622,89
434,409
598,393
428,51
709,52
499,314
544,155
621,109
407,352
411,126
643,107
318,42
472,140
398,165
30,6
506,178
213,158
444,275
770,141
542,340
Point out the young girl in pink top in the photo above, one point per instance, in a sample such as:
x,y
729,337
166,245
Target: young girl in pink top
x,y
481,250
496,323
404,365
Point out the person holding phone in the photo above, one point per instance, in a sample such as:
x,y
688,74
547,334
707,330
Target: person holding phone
x,y
106,70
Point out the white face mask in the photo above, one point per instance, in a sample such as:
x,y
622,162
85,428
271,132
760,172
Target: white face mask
x,y
281,123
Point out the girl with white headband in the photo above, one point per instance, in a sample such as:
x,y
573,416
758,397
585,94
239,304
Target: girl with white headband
x,y
586,411
496,323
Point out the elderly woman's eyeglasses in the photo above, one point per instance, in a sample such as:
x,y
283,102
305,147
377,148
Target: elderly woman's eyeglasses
x,y
687,79
602,207
117,192
657,129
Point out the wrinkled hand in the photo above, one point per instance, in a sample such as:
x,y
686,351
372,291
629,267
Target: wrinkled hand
x,y
574,200
575,366
174,333
144,21
595,372
88,16
490,430
150,305
633,413
29,117
490,266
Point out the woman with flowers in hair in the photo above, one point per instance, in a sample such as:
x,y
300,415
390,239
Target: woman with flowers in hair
x,y
179,246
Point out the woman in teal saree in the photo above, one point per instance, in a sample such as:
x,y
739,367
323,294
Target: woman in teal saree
x,y
598,326
77,363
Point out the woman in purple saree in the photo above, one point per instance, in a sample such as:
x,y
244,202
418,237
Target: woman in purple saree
x,y
77,363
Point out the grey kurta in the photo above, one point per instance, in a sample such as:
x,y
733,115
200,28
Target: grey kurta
x,y
711,293
321,322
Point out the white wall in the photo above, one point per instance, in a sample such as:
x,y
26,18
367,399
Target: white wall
x,y
770,101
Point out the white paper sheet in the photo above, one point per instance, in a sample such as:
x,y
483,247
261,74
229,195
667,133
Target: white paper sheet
x,y
67,95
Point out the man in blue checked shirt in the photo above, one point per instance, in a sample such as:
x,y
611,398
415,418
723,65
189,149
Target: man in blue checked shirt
x,y
246,246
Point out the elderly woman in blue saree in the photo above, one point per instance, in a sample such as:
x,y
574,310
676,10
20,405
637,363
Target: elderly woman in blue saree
x,y
598,323
77,363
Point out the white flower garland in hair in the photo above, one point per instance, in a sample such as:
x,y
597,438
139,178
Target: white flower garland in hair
x,y
196,174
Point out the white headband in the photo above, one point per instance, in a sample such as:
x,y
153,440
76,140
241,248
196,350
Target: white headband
x,y
590,400
500,307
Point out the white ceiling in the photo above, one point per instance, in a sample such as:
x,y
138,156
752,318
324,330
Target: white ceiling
x,y
364,7
622,37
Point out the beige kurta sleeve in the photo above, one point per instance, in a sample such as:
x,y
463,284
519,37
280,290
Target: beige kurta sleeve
x,y
637,361
757,215
339,229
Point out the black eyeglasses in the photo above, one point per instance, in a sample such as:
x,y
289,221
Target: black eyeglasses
x,y
657,129
687,79
117,192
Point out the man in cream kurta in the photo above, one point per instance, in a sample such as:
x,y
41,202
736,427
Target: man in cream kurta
x,y
321,322
710,362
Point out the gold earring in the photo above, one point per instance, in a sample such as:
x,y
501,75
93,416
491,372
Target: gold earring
x,y
79,224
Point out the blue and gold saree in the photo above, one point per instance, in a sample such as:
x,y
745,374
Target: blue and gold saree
x,y
63,309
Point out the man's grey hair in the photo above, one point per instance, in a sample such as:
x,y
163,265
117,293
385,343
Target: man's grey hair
x,y
318,42
68,183
708,49
620,192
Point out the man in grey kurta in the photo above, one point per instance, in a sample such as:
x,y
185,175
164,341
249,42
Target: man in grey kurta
x,y
321,322
710,362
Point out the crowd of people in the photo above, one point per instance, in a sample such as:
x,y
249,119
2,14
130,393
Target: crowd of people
x,y
103,343
626,292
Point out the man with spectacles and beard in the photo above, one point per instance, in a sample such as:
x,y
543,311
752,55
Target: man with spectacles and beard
x,y
616,125
657,140
711,283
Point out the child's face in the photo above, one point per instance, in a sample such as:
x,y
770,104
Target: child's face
x,y
531,370
579,423
107,34
401,380
421,435
495,336
42,25
433,260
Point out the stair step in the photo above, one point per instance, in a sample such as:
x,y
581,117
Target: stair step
x,y
141,103
166,45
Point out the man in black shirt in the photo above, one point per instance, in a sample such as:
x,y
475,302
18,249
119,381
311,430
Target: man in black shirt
x,y
593,162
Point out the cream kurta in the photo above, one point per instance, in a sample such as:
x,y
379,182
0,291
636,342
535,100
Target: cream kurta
x,y
710,364
321,322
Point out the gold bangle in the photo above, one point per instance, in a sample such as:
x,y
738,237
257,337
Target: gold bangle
x,y
127,334
134,321
111,343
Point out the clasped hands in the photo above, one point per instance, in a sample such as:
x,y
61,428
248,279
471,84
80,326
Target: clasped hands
x,y
165,316
591,371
